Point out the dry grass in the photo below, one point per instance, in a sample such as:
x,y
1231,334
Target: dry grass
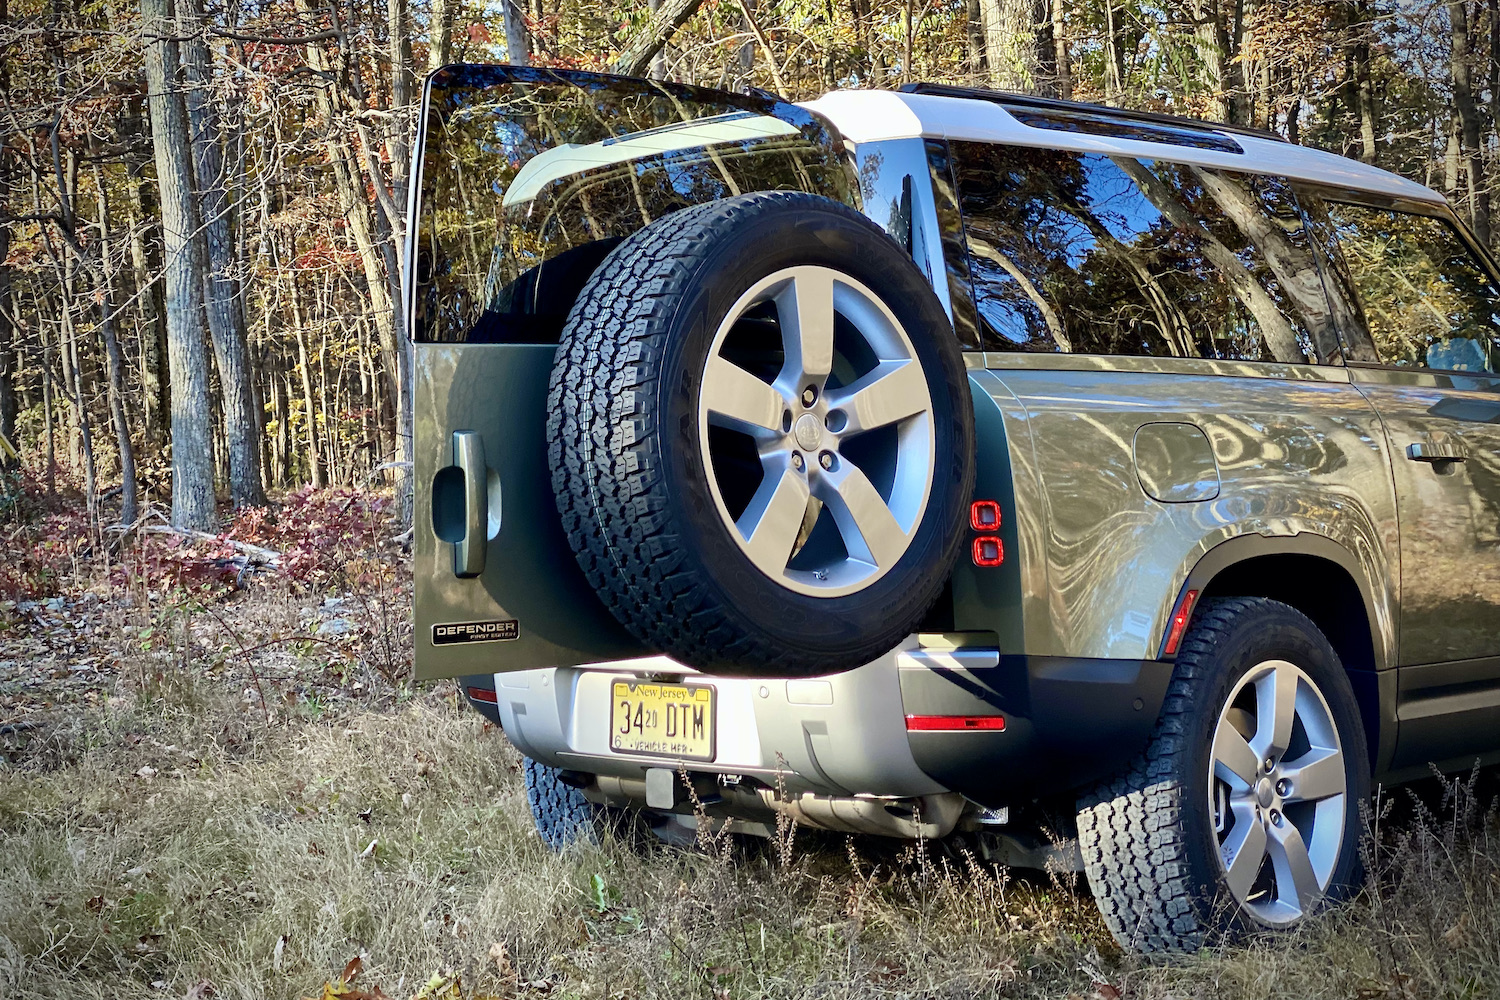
x,y
161,833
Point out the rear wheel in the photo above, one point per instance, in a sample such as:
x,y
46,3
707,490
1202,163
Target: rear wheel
x,y
761,437
1243,811
562,815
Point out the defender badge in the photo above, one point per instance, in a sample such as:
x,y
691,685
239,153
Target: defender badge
x,y
456,632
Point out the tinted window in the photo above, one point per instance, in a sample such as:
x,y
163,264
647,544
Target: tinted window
x,y
1090,254
531,176
1427,302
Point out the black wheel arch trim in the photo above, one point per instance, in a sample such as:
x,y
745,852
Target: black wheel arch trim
x,y
1242,548
1375,686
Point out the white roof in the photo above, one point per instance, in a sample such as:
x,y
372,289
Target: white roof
x,y
873,115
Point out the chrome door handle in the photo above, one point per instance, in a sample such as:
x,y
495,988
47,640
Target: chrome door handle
x,y
468,456
1434,452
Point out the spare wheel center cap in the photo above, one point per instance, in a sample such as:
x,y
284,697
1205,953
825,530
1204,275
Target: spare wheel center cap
x,y
1265,792
808,432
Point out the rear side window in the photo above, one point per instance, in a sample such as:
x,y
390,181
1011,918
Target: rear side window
x,y
1427,301
1091,254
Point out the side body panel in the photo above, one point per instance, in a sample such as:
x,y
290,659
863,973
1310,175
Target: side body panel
x,y
1449,508
1298,451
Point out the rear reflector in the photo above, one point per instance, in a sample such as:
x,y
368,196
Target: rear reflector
x,y
955,723
1180,619
984,515
988,551
483,694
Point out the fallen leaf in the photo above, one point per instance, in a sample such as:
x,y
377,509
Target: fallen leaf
x,y
199,990
1104,991
1457,935
365,815
501,955
276,953
369,851
354,966
148,772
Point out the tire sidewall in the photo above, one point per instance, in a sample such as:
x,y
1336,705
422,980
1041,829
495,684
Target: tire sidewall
x,y
804,232
1280,633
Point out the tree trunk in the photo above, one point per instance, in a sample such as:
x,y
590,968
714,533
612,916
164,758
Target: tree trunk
x,y
192,458
9,351
1062,55
637,53
1213,42
1114,57
49,427
974,31
440,34
304,365
151,307
1010,43
114,357
221,298
658,67
1468,119
517,41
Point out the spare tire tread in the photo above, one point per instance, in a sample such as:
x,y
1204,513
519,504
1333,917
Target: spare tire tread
x,y
607,416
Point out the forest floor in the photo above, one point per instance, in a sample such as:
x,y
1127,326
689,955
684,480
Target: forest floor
x,y
219,791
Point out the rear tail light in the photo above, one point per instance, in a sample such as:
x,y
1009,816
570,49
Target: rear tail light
x,y
486,695
984,515
955,723
1180,619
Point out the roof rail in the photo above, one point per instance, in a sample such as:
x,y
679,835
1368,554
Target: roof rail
x,y
1008,99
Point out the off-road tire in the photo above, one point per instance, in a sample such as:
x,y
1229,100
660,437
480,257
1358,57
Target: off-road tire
x,y
562,815
622,435
1146,836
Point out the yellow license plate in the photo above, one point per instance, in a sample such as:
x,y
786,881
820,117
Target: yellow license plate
x,y
664,720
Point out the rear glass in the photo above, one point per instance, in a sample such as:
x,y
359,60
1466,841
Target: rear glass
x,y
530,177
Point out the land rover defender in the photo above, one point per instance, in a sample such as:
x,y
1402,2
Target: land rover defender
x,y
900,460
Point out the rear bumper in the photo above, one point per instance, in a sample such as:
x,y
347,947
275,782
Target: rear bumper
x,y
1067,723
840,735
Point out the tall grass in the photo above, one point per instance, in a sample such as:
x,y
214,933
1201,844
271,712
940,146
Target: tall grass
x,y
158,843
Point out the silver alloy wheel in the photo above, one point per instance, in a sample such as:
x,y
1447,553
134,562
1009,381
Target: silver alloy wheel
x,y
802,421
1276,792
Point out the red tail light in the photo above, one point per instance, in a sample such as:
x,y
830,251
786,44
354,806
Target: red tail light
x,y
955,723
483,694
984,515
988,551
1180,619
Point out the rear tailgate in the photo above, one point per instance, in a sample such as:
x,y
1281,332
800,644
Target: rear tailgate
x,y
527,179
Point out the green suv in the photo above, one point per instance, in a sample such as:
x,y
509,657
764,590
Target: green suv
x,y
910,462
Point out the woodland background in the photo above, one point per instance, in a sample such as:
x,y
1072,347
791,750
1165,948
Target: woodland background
x,y
202,201
216,778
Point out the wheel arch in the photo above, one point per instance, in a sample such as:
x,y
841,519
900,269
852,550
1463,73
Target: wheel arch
x,y
1323,580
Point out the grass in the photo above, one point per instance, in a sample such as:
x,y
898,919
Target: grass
x,y
164,832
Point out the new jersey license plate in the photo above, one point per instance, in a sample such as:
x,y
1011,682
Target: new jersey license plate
x,y
664,720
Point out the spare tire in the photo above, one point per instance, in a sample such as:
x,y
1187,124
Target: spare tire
x,y
761,437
